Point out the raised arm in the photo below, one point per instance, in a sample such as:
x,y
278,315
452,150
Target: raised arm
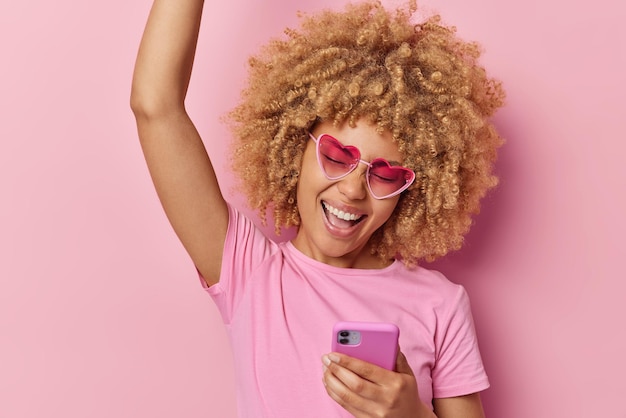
x,y
177,159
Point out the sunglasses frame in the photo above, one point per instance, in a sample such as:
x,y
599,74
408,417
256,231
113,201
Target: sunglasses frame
x,y
359,160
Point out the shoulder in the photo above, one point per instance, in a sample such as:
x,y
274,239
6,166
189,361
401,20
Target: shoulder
x,y
428,282
428,293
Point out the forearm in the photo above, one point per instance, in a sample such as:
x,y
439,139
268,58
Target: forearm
x,y
165,57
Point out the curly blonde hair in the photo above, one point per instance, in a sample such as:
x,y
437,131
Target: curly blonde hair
x,y
419,82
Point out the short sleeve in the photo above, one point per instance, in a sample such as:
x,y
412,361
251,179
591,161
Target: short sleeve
x,y
245,248
458,368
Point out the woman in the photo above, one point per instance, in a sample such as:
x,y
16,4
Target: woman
x,y
370,135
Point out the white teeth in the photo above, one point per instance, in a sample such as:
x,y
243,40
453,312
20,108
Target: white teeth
x,y
341,214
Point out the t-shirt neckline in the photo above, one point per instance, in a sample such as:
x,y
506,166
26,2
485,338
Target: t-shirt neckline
x,y
300,256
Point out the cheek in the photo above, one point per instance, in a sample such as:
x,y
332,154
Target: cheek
x,y
385,209
311,177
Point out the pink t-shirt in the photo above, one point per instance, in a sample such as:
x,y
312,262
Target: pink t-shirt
x,y
279,307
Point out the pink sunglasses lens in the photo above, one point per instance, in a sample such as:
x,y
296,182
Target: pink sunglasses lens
x,y
336,159
385,179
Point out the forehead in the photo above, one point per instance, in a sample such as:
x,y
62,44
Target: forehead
x,y
371,143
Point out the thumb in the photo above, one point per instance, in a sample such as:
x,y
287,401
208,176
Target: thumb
x,y
402,365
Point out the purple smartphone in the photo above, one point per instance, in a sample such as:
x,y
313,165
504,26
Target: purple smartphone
x,y
374,342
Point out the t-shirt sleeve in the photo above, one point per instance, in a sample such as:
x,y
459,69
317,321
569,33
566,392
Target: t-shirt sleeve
x,y
245,248
458,368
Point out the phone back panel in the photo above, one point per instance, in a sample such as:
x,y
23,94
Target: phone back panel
x,y
378,342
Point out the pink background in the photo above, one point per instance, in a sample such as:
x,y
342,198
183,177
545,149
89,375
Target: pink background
x,y
101,314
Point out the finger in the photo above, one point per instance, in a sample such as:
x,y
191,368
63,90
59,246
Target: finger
x,y
363,369
348,378
352,402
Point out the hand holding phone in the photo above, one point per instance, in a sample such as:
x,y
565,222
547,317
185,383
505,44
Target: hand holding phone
x,y
374,342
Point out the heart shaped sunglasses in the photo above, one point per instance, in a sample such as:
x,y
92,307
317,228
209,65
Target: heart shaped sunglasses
x,y
337,161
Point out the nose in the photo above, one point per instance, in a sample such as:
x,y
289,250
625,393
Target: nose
x,y
354,185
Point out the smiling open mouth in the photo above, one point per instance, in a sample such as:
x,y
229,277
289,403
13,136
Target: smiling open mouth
x,y
341,219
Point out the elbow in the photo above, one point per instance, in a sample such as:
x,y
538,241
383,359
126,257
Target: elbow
x,y
137,105
140,104
145,104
